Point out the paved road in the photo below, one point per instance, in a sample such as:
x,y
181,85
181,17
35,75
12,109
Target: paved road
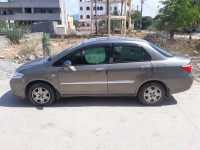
x,y
100,123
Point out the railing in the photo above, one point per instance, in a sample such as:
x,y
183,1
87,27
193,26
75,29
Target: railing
x,y
35,4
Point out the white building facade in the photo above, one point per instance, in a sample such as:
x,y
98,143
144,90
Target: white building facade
x,y
85,11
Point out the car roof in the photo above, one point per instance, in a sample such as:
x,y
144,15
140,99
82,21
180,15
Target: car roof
x,y
111,40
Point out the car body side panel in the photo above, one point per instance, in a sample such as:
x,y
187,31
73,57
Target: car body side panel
x,y
43,73
171,73
124,78
86,79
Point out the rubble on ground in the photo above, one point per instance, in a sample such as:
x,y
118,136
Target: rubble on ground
x,y
7,68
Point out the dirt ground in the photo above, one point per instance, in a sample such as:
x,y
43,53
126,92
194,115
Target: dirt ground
x,y
180,45
119,123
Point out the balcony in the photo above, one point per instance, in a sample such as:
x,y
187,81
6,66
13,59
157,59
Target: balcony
x,y
35,4
35,16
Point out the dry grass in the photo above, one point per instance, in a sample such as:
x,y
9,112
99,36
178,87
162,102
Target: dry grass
x,y
34,47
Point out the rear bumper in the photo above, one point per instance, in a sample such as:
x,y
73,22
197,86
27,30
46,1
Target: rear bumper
x,y
18,88
183,85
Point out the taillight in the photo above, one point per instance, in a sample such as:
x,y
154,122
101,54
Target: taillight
x,y
188,68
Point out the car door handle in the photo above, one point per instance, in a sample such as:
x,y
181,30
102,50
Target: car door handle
x,y
145,67
99,69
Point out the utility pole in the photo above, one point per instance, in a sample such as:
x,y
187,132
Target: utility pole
x,y
142,2
96,15
137,17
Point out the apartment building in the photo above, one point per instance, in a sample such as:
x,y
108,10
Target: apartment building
x,y
85,11
31,11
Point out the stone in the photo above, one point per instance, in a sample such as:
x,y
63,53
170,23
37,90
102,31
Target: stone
x,y
30,58
198,64
2,57
17,57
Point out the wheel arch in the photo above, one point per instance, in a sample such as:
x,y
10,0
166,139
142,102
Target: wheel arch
x,y
167,90
42,81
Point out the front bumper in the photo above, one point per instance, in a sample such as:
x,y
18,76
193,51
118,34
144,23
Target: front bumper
x,y
18,87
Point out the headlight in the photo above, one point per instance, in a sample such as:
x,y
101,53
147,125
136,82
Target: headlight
x,y
18,75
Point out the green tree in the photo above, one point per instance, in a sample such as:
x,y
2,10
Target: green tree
x,y
146,22
76,23
134,19
178,14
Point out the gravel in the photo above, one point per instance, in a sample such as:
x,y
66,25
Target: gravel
x,y
7,69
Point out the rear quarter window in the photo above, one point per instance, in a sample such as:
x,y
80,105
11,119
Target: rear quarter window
x,y
161,51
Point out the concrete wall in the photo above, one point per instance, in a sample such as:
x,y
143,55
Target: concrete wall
x,y
30,3
46,27
38,10
4,42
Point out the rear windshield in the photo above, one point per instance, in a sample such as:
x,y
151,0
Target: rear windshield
x,y
160,50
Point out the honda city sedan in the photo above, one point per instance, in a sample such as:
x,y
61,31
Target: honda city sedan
x,y
104,67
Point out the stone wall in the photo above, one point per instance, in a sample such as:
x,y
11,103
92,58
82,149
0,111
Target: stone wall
x,y
32,36
4,42
46,27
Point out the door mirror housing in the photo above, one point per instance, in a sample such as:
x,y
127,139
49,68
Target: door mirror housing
x,y
67,63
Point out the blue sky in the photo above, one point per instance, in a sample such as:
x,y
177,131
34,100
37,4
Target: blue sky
x,y
150,6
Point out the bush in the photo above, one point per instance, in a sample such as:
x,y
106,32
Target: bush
x,y
27,49
15,32
3,25
46,45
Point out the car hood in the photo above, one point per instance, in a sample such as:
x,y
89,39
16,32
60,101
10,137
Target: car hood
x,y
31,64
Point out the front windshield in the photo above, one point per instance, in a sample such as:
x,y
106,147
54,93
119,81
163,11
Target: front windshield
x,y
160,50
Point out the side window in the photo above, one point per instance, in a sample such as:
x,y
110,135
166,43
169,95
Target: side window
x,y
130,54
89,56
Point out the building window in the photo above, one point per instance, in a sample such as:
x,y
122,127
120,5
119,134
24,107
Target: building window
x,y
43,11
88,17
81,8
80,0
101,8
115,8
94,8
50,11
27,10
87,8
81,17
97,8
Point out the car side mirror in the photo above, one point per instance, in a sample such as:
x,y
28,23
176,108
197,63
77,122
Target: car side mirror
x,y
67,63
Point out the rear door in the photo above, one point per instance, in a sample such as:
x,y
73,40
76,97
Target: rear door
x,y
88,73
130,65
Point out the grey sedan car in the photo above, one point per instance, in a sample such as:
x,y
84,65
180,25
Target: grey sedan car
x,y
104,67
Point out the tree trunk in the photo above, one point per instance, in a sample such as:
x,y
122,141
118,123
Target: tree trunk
x,y
171,35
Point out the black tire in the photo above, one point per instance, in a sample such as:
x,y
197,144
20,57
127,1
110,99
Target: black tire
x,y
149,100
51,94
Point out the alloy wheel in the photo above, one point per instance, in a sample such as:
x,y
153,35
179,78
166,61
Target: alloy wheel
x,y
41,95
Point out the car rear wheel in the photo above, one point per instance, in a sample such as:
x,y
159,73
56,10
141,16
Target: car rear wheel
x,y
41,94
151,94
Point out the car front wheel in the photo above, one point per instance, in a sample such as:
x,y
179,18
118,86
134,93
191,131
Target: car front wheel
x,y
41,94
151,94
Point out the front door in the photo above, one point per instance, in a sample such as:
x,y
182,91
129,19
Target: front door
x,y
130,67
88,73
